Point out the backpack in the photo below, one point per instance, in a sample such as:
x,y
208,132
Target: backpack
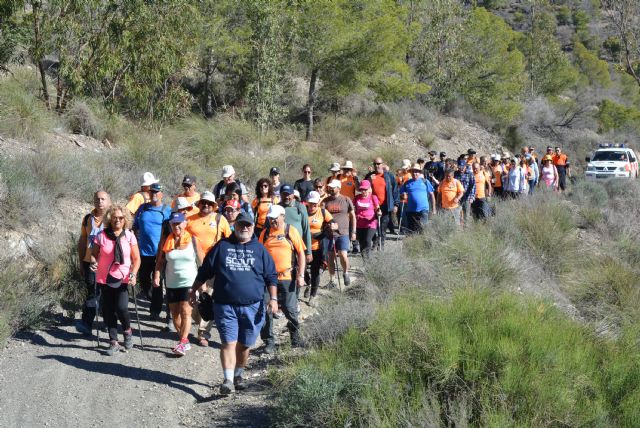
x,y
287,227
258,202
217,189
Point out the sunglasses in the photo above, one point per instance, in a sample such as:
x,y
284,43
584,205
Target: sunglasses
x,y
377,163
265,186
118,218
307,172
185,185
319,187
209,203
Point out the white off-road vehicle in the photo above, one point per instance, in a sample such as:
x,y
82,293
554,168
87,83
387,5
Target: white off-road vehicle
x,y
612,161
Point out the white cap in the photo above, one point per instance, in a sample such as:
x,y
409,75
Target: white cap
x,y
296,194
182,203
148,179
347,165
406,164
228,171
495,157
335,167
334,183
313,197
275,211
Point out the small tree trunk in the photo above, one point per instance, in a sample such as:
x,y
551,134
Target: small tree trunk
x,y
311,103
208,93
38,53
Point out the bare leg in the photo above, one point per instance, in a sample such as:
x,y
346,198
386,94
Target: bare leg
x,y
185,317
242,356
228,355
175,315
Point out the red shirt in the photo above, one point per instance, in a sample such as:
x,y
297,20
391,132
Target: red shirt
x,y
379,187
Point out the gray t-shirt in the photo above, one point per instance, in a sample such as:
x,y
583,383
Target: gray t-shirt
x,y
340,208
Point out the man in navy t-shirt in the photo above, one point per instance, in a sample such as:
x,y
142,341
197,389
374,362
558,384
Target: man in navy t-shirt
x,y
150,221
420,197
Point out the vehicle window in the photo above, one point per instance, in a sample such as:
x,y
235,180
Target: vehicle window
x,y
610,156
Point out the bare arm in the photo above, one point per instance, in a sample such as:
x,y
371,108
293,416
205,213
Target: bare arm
x,y
161,261
135,264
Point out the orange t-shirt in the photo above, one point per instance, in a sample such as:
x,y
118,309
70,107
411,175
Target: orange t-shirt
x,y
379,187
170,242
481,184
261,208
348,187
497,174
560,159
135,201
207,231
315,225
280,249
401,179
449,191
191,199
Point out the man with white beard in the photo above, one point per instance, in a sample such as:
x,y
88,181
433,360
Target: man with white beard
x,y
241,268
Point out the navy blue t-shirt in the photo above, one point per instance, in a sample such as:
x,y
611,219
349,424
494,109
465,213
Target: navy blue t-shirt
x,y
149,222
418,194
240,272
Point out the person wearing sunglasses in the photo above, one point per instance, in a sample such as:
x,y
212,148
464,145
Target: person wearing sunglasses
x,y
189,193
304,185
265,198
321,188
115,260
151,221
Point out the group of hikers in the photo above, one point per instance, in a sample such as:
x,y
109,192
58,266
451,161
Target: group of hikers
x,y
251,262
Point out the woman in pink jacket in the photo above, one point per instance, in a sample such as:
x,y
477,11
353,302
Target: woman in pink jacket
x,y
367,212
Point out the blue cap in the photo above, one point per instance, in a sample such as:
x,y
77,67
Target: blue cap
x,y
286,188
156,187
244,218
462,162
177,218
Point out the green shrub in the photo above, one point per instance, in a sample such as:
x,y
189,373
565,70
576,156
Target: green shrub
x,y
81,120
22,114
563,14
614,116
502,360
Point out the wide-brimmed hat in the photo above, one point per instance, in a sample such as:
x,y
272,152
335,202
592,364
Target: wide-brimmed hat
x,y
347,165
335,167
416,167
148,179
406,164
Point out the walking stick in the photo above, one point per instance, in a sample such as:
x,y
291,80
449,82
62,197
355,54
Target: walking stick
x,y
95,296
400,221
379,234
135,303
335,258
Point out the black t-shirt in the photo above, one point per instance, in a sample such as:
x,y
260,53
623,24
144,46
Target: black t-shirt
x,y
304,187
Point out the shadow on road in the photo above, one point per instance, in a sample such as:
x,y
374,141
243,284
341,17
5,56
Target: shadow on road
x,y
133,373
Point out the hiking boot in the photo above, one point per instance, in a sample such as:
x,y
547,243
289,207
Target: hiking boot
x,y
114,348
331,284
81,327
170,327
239,384
227,387
270,347
347,279
313,301
307,292
128,341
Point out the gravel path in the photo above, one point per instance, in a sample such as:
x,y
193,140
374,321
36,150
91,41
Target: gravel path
x,y
56,377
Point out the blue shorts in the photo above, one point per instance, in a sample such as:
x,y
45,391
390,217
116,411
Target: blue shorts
x,y
342,243
239,323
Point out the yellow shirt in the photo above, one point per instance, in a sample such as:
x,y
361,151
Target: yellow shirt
x,y
207,230
280,249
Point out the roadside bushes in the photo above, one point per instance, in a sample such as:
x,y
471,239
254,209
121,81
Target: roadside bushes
x,y
475,359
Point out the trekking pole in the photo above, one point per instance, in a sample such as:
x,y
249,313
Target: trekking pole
x,y
95,296
379,234
400,220
135,304
335,258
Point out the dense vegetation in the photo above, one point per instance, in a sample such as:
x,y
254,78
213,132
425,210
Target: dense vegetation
x,y
162,60
517,321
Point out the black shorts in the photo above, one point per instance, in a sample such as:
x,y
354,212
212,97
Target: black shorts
x,y
177,295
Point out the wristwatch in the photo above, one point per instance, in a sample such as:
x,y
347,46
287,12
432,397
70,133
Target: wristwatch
x,y
275,299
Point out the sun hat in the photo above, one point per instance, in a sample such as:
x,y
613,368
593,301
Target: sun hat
x,y
313,197
148,179
275,211
406,164
228,171
416,166
334,183
335,167
347,165
207,196
182,203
